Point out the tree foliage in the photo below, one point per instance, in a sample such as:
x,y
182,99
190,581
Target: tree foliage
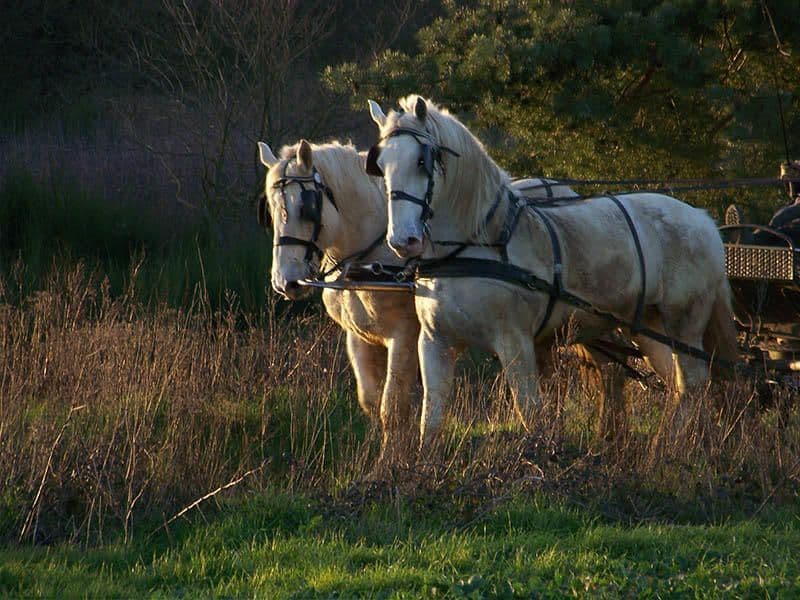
x,y
607,87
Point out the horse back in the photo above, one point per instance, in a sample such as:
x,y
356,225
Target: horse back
x,y
680,247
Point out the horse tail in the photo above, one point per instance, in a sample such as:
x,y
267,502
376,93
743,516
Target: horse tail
x,y
719,337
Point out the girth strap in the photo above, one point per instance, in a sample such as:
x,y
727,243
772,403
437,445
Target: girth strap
x,y
637,316
558,268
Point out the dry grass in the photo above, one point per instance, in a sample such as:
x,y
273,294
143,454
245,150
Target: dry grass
x,y
110,410
115,416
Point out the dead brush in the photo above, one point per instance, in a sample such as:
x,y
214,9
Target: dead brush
x,y
120,416
730,455
112,412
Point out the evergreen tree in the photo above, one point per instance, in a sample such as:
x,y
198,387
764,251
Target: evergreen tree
x,y
607,88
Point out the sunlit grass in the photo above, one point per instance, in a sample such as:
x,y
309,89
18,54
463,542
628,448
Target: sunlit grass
x,y
160,436
280,546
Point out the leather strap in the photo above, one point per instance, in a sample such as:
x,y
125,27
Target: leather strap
x,y
637,315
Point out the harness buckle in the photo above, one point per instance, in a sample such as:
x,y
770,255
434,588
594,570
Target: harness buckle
x,y
408,273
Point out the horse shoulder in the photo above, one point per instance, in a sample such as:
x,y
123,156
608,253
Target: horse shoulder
x,y
375,317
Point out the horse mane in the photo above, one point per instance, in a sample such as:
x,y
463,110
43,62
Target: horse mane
x,y
471,181
341,167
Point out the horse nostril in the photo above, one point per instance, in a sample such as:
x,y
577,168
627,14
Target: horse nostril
x,y
413,242
292,286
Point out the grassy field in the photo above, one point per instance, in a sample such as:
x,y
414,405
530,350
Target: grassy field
x,y
185,452
168,428
273,545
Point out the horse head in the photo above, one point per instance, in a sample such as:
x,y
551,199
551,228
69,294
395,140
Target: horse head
x,y
409,159
296,203
431,162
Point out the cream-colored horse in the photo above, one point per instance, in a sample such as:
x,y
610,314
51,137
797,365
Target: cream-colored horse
x,y
684,289
381,327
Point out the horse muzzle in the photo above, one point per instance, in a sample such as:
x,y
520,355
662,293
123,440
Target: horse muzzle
x,y
407,246
292,290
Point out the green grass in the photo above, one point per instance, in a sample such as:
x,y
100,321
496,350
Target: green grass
x,y
230,399
279,546
48,227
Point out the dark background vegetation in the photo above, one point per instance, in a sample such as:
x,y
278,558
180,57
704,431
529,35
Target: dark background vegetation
x,y
151,111
145,361
131,129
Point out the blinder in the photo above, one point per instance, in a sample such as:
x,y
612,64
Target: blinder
x,y
427,158
311,206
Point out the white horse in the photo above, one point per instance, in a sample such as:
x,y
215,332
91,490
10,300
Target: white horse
x,y
678,287
324,209
381,327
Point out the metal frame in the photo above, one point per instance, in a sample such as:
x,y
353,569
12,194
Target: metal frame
x,y
366,286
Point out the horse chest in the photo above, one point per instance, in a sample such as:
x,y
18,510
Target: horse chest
x,y
370,316
474,311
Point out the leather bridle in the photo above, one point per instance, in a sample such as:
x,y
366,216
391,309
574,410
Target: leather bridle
x,y
311,210
311,201
430,155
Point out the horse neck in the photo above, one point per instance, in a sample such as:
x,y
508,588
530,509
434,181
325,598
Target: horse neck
x,y
361,205
467,191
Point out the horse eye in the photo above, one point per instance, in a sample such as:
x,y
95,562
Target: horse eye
x,y
421,161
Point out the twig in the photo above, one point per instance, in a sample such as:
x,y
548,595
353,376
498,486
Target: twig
x,y
34,510
211,494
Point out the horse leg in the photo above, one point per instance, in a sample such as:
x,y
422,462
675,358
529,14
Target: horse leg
x,y
518,357
688,325
396,403
437,365
657,355
609,381
682,373
369,365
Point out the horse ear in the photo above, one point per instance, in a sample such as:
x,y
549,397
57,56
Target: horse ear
x,y
377,114
304,154
265,154
421,109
